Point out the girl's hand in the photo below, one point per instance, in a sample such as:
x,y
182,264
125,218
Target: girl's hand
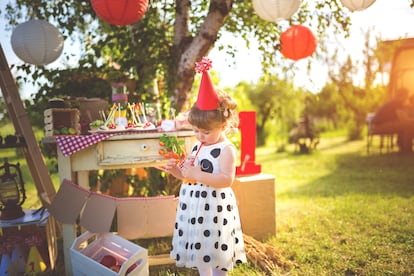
x,y
171,164
189,171
172,168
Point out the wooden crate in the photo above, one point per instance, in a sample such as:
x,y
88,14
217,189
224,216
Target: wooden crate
x,y
131,258
58,118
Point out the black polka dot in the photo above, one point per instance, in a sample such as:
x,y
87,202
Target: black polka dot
x,y
224,221
216,245
197,246
180,233
224,247
214,194
215,152
200,220
215,219
223,195
206,259
206,233
197,194
193,220
206,166
219,208
229,208
206,207
203,194
177,257
184,206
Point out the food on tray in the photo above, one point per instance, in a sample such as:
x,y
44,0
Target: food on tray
x,y
96,124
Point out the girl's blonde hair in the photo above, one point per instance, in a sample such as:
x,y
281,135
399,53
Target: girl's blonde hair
x,y
211,119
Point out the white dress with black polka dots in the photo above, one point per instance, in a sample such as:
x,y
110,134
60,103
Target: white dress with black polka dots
x,y
207,231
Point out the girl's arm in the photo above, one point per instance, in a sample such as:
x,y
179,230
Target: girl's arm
x,y
225,178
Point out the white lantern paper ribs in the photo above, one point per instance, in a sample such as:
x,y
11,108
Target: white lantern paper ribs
x,y
274,10
37,42
357,5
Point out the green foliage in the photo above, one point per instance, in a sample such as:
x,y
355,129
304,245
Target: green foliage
x,y
4,119
164,43
347,102
277,102
144,182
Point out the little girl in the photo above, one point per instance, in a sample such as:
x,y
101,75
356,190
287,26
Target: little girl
x,y
207,233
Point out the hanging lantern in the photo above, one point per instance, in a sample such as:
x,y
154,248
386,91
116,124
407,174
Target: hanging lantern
x,y
357,5
274,10
37,42
297,42
121,12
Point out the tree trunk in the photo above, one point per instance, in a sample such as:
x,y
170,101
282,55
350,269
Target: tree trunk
x,y
190,50
261,137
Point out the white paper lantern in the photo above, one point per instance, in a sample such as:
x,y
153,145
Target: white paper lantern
x,y
37,42
357,5
274,10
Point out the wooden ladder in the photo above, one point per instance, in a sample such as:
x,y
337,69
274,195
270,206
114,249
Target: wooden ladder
x,y
22,126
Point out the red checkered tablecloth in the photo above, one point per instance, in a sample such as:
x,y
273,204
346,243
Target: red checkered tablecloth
x,y
72,143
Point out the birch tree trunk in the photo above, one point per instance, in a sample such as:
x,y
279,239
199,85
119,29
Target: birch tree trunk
x,y
188,50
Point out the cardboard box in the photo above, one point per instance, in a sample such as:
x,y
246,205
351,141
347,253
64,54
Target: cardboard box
x,y
58,118
256,196
88,250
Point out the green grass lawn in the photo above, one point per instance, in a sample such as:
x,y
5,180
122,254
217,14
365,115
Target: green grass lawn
x,y
342,212
339,211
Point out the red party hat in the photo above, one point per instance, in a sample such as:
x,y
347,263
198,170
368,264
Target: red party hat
x,y
207,98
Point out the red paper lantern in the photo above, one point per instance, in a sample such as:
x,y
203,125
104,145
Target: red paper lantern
x,y
120,12
297,42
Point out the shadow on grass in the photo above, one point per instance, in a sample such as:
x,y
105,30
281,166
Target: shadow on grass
x,y
386,174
